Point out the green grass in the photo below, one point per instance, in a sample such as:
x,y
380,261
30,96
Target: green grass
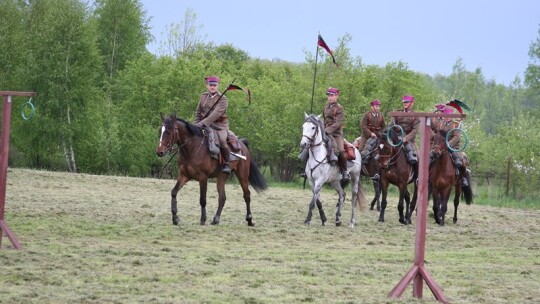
x,y
103,239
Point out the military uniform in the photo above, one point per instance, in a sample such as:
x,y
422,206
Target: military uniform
x,y
217,118
372,122
212,112
410,126
333,114
458,157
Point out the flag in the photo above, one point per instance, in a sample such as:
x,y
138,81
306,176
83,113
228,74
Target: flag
x,y
457,104
323,44
233,87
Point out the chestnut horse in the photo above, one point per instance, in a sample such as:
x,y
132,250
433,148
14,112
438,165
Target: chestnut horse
x,y
195,162
442,178
395,169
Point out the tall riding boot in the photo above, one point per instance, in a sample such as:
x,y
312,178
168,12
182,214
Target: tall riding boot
x,y
343,166
226,160
464,181
366,155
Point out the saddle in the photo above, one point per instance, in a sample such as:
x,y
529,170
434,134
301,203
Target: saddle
x,y
349,150
213,142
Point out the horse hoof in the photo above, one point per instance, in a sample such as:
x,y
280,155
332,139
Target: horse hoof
x,y
176,221
203,223
214,222
371,208
351,225
381,220
403,222
338,224
250,224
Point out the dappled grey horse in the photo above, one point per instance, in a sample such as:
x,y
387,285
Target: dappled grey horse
x,y
319,171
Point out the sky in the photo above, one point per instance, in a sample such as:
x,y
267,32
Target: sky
x,y
429,35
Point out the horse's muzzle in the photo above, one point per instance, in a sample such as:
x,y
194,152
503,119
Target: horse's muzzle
x,y
160,153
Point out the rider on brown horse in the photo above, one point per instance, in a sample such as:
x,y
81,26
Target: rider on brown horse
x,y
371,126
410,126
212,112
445,125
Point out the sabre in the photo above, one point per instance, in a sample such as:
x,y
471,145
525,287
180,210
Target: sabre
x,y
239,155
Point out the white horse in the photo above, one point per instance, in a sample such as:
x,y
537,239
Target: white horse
x,y
319,171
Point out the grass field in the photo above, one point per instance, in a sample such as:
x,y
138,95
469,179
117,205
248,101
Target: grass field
x,y
103,239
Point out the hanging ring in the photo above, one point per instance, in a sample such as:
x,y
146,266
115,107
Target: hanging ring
x,y
28,110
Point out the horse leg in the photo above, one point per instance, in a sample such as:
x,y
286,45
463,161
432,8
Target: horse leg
x,y
384,191
314,200
182,180
203,186
321,212
247,199
444,205
408,210
436,202
400,207
221,198
377,198
341,199
457,194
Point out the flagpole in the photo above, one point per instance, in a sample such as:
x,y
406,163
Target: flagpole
x,y
314,76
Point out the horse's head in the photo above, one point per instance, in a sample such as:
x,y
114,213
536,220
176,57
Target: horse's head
x,y
439,143
311,130
389,144
168,135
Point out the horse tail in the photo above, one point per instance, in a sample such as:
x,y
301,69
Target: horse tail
x,y
361,197
467,191
256,179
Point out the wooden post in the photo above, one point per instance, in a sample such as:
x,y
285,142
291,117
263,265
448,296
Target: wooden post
x,y
418,273
4,156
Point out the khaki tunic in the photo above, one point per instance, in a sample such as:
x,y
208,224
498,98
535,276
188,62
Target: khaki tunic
x,y
217,118
410,126
372,122
334,115
447,126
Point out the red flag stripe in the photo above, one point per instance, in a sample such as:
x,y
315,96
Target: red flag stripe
x,y
321,43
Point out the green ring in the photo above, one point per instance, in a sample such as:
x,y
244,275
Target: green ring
x,y
388,136
465,141
24,108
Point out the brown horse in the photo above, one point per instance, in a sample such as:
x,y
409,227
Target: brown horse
x,y
396,170
195,162
442,178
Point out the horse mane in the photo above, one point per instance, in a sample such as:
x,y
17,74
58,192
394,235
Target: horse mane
x,y
314,119
193,130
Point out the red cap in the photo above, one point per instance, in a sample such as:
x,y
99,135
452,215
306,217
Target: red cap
x,y
375,102
448,111
407,98
212,79
332,91
440,106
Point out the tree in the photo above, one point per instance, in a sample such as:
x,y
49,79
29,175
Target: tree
x,y
62,66
532,74
13,44
183,38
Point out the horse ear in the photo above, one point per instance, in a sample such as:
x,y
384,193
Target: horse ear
x,y
305,115
162,118
319,116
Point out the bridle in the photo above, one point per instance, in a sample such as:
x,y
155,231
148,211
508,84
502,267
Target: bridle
x,y
174,138
312,138
392,157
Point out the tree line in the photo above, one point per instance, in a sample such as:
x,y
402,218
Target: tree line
x,y
100,92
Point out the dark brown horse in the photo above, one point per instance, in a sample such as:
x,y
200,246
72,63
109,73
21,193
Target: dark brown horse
x,y
195,162
442,178
396,170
